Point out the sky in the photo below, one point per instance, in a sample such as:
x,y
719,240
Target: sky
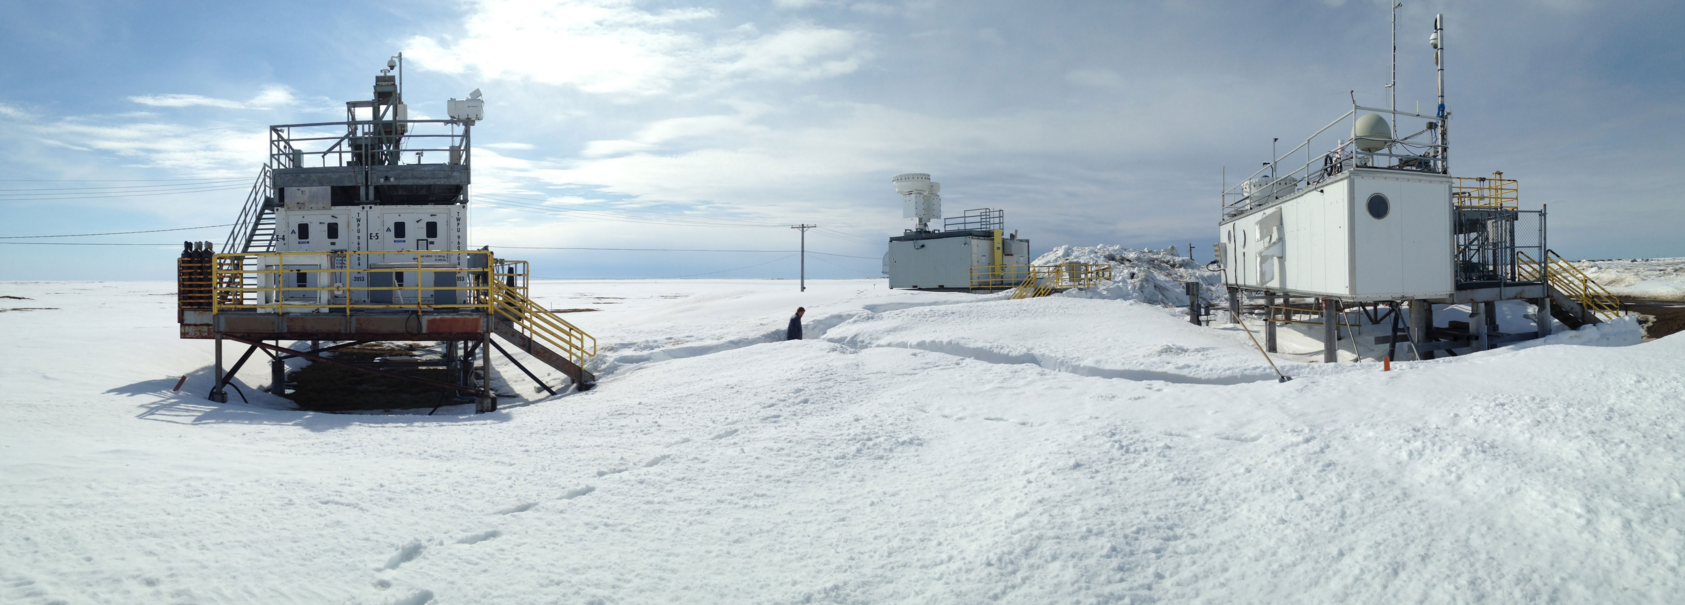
x,y
716,126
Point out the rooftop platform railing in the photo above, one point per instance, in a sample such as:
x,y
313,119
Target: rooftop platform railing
x,y
369,143
1418,152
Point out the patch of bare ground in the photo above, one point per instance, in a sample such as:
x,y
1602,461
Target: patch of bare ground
x,y
1659,318
572,310
30,309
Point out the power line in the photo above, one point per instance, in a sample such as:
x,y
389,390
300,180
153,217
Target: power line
x,y
126,187
115,194
114,232
673,250
514,203
118,180
172,244
730,270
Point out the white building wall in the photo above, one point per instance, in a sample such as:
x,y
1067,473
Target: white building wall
x,y
1322,241
935,263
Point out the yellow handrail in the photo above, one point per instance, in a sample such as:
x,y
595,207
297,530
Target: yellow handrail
x,y
1571,281
508,302
1042,280
1484,192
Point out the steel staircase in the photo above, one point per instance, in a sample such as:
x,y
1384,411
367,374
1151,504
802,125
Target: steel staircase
x,y
542,334
1576,298
254,231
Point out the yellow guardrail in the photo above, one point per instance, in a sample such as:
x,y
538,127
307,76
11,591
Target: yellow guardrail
x,y
235,291
481,282
1486,192
1571,281
541,325
1042,280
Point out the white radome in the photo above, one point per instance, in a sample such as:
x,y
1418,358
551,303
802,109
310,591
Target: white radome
x,y
914,182
1372,133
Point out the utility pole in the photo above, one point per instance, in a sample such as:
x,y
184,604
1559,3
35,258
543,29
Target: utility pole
x,y
804,228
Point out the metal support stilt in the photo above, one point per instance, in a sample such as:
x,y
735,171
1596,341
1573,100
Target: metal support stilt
x,y
1421,321
1542,316
488,399
278,376
1330,331
217,393
1269,321
1478,340
1234,305
1192,289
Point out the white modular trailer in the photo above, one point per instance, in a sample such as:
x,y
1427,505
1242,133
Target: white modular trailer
x,y
1363,235
943,261
403,233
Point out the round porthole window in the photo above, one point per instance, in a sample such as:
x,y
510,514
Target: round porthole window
x,y
1378,206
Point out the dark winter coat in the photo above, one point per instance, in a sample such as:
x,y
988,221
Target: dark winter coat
x,y
795,331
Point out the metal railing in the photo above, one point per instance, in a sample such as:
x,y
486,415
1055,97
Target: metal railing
x,y
496,287
235,292
540,325
239,237
1401,153
1030,281
1496,192
1572,282
368,143
976,219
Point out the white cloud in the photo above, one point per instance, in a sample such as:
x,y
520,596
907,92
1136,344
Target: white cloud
x,y
513,146
803,52
272,96
185,101
613,47
12,112
794,4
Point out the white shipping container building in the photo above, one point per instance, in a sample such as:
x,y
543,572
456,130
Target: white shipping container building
x,y
1364,235
1377,224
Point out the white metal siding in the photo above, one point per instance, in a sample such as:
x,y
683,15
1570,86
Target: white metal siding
x,y
1332,247
935,263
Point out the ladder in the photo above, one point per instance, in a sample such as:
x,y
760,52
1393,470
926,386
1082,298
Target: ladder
x,y
1576,298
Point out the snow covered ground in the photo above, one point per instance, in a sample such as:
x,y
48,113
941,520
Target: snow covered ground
x,y
917,447
1646,278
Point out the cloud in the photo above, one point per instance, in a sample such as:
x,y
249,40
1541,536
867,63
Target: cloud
x,y
12,112
512,146
612,47
271,97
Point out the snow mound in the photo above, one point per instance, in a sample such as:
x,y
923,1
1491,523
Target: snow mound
x,y
1149,276
1651,278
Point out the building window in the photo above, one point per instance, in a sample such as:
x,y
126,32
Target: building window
x,y
1378,206
302,279
397,230
333,230
432,230
303,231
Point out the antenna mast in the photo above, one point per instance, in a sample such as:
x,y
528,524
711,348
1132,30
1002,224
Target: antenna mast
x,y
1392,86
1438,43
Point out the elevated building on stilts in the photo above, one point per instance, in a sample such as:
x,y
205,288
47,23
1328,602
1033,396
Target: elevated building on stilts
x,y
1375,222
356,232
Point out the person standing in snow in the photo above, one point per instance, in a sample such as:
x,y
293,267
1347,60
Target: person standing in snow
x,y
795,331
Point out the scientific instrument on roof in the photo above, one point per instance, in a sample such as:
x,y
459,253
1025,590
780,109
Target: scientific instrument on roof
x,y
1372,216
925,259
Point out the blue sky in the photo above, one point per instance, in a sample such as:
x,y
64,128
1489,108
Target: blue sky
x,y
717,125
